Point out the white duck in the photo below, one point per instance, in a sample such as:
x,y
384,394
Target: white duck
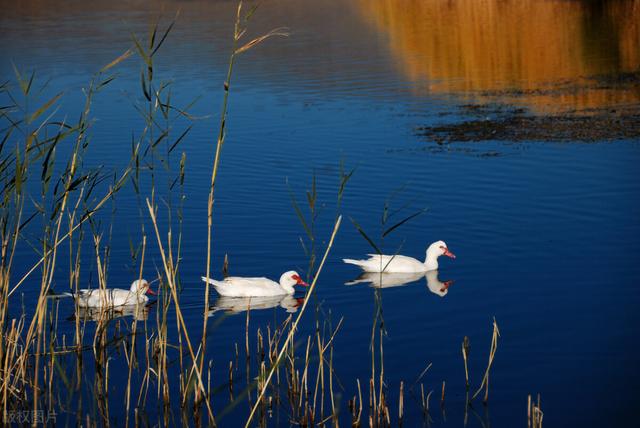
x,y
236,286
113,297
236,305
404,264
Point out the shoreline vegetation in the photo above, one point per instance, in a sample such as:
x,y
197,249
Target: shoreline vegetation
x,y
168,378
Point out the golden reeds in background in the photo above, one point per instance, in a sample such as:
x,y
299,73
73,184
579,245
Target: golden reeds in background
x,y
493,45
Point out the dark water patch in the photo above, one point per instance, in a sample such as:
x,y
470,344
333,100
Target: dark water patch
x,y
515,125
443,148
630,80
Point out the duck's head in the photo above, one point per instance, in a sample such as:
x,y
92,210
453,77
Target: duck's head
x,y
290,279
439,248
141,286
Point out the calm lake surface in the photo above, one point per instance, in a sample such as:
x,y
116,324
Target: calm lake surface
x,y
545,233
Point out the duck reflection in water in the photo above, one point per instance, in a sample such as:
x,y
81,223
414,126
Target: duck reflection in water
x,y
388,280
236,305
138,312
435,285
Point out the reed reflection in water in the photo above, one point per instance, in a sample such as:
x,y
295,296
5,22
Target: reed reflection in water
x,y
524,47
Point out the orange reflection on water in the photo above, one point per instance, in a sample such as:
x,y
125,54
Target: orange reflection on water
x,y
536,51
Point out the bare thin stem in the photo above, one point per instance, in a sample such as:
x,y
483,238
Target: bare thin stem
x,y
294,325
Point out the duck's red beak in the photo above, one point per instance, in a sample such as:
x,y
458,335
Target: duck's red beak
x,y
448,253
150,291
299,281
446,285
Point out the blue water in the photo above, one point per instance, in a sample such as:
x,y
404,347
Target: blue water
x,y
545,233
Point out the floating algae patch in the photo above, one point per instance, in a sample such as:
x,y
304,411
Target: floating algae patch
x,y
516,125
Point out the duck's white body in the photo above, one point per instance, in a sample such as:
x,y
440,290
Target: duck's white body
x,y
237,286
113,297
241,304
403,264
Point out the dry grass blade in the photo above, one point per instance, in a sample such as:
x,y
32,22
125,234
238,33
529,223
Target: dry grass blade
x,y
419,378
534,413
282,32
492,353
143,54
117,61
44,108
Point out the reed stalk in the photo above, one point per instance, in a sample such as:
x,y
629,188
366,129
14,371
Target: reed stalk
x,y
401,404
294,325
466,347
492,353
239,31
133,340
534,413
170,276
